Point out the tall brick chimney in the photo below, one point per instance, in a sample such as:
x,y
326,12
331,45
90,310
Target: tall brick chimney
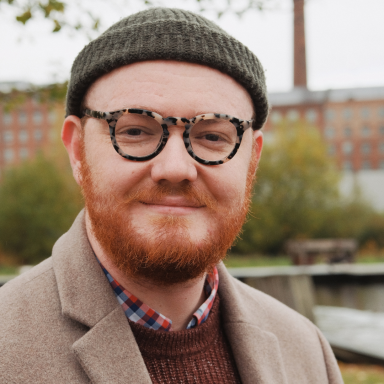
x,y
300,62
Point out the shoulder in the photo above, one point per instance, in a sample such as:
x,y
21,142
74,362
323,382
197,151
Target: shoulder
x,y
269,313
304,350
40,275
28,298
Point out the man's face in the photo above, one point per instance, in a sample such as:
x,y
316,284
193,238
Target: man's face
x,y
170,202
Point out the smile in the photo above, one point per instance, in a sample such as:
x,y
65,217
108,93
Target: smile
x,y
173,205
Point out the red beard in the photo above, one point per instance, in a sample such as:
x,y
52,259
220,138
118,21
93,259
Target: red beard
x,y
166,255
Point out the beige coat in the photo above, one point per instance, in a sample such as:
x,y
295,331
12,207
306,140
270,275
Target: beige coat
x,y
61,323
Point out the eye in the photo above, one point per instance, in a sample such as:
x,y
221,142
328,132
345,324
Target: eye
x,y
134,132
212,137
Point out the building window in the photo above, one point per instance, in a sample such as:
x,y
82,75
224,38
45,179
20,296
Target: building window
x,y
381,148
276,117
37,117
365,113
381,166
293,115
311,115
347,113
23,136
347,147
8,155
35,101
365,131
329,114
366,148
38,134
8,136
347,166
331,149
347,132
24,153
22,118
381,130
381,111
7,118
366,165
52,116
329,132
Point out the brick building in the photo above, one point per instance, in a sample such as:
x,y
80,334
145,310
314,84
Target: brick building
x,y
29,127
350,120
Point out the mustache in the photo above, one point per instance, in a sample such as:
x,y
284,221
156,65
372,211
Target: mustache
x,y
157,192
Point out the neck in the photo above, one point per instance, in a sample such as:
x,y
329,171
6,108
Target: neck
x,y
177,302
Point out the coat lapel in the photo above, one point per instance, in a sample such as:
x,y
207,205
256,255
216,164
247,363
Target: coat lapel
x,y
108,352
256,352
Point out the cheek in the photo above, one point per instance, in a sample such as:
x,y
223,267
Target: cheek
x,y
227,182
109,169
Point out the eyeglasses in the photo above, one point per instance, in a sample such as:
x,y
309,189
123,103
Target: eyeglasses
x,y
140,135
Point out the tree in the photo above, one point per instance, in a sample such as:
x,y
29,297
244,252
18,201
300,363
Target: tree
x,y
297,194
39,201
86,19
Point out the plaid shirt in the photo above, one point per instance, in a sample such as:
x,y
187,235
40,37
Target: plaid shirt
x,y
141,313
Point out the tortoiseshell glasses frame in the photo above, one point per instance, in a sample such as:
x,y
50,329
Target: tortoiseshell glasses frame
x,y
240,126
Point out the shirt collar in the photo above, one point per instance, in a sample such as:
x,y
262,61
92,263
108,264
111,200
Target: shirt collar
x,y
142,314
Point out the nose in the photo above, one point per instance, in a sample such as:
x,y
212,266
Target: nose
x,y
174,164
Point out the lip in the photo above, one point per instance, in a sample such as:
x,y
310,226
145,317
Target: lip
x,y
173,205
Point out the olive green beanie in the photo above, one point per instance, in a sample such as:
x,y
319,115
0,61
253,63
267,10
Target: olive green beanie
x,y
165,33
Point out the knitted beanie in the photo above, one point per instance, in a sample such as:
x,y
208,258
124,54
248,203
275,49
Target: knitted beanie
x,y
173,34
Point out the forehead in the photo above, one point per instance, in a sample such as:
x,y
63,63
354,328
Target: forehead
x,y
170,88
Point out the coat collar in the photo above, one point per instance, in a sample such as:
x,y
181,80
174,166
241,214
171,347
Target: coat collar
x,y
256,351
109,353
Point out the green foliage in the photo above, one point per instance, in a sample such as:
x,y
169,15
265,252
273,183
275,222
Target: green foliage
x,y
48,94
24,17
27,11
58,11
243,261
39,201
362,374
52,5
296,195
374,231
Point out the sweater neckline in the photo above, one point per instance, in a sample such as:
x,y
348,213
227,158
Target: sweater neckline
x,y
176,343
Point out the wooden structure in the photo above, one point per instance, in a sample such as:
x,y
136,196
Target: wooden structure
x,y
355,336
295,291
304,252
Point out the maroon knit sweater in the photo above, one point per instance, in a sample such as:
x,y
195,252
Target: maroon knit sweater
x,y
198,355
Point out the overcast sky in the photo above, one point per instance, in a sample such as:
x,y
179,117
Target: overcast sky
x,y
344,42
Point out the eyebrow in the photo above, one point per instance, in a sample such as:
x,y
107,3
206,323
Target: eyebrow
x,y
163,114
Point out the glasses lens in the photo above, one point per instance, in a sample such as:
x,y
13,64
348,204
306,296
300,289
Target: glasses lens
x,y
214,139
138,135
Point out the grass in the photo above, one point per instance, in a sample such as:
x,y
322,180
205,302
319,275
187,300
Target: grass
x,y
369,259
362,374
238,261
8,270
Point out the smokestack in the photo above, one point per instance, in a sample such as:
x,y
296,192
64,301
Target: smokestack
x,y
300,62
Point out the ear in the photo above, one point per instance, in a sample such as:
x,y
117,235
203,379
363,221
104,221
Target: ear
x,y
258,142
71,137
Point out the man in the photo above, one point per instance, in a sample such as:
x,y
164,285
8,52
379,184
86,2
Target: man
x,y
163,122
